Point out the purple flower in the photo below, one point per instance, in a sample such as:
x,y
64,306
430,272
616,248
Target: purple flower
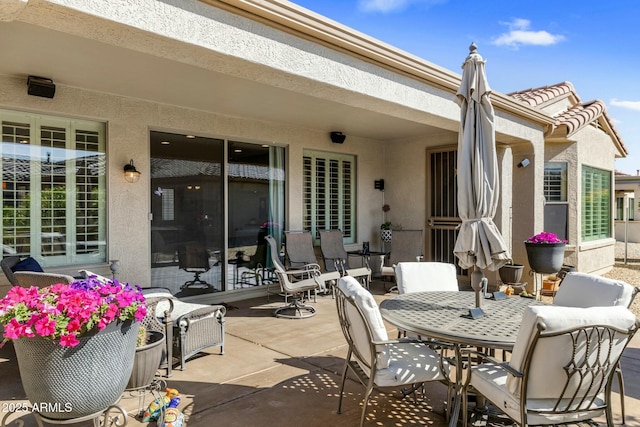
x,y
545,237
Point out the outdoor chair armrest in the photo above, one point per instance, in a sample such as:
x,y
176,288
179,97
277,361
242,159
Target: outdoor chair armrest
x,y
481,357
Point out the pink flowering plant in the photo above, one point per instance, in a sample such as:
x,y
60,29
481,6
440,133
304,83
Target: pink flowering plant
x,y
64,312
545,237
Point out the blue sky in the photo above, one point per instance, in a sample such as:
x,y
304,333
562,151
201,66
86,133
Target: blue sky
x,y
526,43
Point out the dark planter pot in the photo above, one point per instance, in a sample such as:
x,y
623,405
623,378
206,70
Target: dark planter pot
x,y
75,382
511,273
545,258
146,361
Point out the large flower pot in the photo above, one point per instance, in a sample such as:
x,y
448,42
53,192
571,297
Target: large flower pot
x,y
545,258
147,361
511,273
73,382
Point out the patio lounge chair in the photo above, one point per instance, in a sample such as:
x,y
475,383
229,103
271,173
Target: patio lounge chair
x,y
336,258
14,263
41,280
561,368
189,328
375,360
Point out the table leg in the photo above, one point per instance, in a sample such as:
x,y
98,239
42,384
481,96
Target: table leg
x,y
454,411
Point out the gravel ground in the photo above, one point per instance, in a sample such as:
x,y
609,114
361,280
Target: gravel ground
x,y
629,272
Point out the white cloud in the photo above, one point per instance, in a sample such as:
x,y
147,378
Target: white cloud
x,y
631,105
521,34
385,6
382,5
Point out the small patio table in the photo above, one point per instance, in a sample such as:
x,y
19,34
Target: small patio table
x,y
446,316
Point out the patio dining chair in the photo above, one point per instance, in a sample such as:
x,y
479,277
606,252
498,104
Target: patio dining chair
x,y
426,276
194,258
299,253
406,246
336,258
293,288
588,290
374,359
561,368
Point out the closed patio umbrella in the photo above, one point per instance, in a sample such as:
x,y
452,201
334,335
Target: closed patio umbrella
x,y
479,243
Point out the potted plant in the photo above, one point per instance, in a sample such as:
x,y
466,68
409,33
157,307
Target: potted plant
x,y
510,273
545,252
385,228
73,341
148,355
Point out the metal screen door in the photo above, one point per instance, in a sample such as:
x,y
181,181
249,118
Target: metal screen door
x,y
442,207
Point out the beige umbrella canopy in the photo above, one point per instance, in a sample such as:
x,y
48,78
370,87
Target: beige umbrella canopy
x,y
479,243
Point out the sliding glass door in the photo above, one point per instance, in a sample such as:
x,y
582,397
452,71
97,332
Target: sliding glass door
x,y
195,191
187,225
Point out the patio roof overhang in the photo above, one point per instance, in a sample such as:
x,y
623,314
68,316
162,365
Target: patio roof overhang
x,y
80,48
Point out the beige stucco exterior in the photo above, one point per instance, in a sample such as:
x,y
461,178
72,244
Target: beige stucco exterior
x,y
269,72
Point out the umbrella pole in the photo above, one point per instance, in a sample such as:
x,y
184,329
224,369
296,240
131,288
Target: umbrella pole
x,y
478,283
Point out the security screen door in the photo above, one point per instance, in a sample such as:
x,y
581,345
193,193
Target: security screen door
x,y
442,207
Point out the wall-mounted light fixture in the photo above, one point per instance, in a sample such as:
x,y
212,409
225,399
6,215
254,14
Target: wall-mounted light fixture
x,y
524,163
337,137
40,86
131,174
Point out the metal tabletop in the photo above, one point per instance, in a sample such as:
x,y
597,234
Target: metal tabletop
x,y
445,316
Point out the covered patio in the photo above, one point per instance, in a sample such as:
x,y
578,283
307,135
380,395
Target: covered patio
x,y
279,372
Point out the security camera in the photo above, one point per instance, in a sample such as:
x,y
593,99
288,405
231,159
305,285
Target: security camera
x,y
524,163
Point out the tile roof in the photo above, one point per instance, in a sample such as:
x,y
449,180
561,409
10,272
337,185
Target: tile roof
x,y
576,117
539,96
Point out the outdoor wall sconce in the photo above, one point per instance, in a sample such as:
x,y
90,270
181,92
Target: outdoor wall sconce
x,y
337,137
524,163
40,86
131,174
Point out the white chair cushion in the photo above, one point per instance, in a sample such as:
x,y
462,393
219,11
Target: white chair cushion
x,y
410,363
588,290
426,276
490,380
367,305
554,353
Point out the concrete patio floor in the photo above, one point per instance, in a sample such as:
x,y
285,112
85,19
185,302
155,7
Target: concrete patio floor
x,y
278,372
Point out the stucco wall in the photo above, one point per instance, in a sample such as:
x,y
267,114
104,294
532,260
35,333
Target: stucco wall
x,y
128,124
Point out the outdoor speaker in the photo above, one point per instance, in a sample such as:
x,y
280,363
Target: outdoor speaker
x,y
378,184
338,137
40,86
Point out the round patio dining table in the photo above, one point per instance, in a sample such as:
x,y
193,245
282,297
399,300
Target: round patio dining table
x,y
446,316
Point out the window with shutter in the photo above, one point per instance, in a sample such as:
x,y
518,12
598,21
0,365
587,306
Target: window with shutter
x,y
53,188
329,193
596,203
